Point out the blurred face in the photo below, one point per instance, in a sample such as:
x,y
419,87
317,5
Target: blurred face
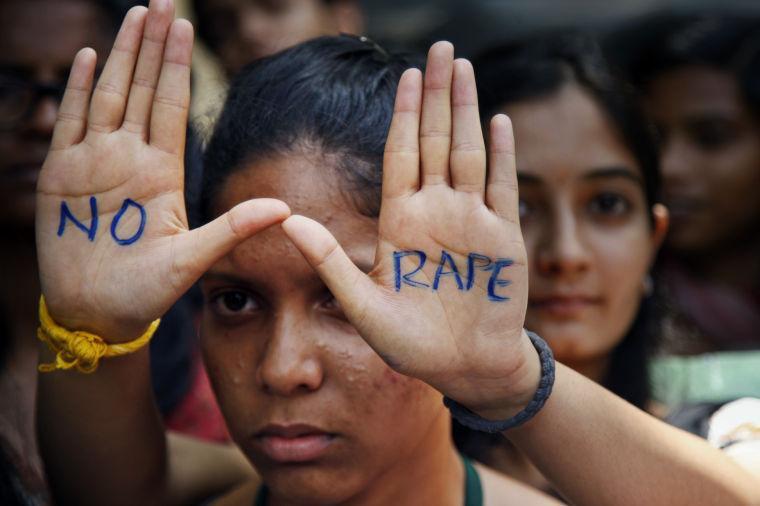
x,y
315,409
585,222
711,157
38,41
251,29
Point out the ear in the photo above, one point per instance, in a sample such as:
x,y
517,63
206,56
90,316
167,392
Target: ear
x,y
661,223
348,16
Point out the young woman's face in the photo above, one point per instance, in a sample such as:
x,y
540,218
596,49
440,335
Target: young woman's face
x,y
248,29
710,158
312,405
38,41
586,226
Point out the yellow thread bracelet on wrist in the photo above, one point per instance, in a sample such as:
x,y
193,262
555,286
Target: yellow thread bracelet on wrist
x,y
79,349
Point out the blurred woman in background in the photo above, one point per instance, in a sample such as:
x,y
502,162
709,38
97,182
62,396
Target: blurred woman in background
x,y
700,80
240,31
589,192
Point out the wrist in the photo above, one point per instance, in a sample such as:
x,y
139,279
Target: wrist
x,y
513,412
521,386
113,329
80,349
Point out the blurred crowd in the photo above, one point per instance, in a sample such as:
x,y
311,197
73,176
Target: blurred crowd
x,y
666,100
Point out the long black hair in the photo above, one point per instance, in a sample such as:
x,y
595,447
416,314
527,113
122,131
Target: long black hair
x,y
333,94
540,67
728,41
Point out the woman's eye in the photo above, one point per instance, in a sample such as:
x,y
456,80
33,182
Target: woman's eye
x,y
609,204
233,303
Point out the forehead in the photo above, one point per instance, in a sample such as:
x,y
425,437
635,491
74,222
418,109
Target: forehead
x,y
566,135
695,90
50,32
312,187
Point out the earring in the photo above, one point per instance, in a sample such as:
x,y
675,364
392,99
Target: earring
x,y
647,285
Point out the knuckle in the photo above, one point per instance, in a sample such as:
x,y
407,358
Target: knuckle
x,y
68,117
110,88
468,147
98,127
132,126
142,82
233,224
172,102
401,149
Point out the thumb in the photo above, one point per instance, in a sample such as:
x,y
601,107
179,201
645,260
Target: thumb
x,y
350,286
197,250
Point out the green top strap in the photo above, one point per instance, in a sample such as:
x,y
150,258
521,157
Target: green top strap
x,y
473,491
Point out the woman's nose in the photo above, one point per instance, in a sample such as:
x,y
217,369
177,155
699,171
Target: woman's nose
x,y
42,119
291,363
561,252
675,160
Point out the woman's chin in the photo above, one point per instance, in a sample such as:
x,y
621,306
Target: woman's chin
x,y
310,484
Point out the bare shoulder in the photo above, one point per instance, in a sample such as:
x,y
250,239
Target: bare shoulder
x,y
499,490
244,495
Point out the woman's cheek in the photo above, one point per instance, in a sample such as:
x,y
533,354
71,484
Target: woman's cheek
x,y
230,366
383,397
623,266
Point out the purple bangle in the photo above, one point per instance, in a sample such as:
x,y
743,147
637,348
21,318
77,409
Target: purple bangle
x,y
473,421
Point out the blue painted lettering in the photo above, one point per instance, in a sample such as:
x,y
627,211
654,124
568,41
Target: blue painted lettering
x,y
66,214
407,278
494,280
446,258
116,219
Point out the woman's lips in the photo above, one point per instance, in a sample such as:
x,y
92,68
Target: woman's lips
x,y
294,443
564,306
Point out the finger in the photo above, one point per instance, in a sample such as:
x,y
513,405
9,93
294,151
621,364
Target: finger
x,y
401,161
110,97
197,250
149,63
72,115
501,193
468,150
353,289
435,126
168,122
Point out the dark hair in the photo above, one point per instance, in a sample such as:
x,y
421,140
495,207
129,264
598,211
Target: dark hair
x,y
333,94
651,45
540,67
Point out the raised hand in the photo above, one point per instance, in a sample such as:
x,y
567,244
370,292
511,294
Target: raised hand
x,y
446,299
113,242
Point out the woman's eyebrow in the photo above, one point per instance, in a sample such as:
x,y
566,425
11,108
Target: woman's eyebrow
x,y
613,172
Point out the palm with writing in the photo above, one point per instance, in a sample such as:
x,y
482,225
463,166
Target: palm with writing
x,y
125,140
438,197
